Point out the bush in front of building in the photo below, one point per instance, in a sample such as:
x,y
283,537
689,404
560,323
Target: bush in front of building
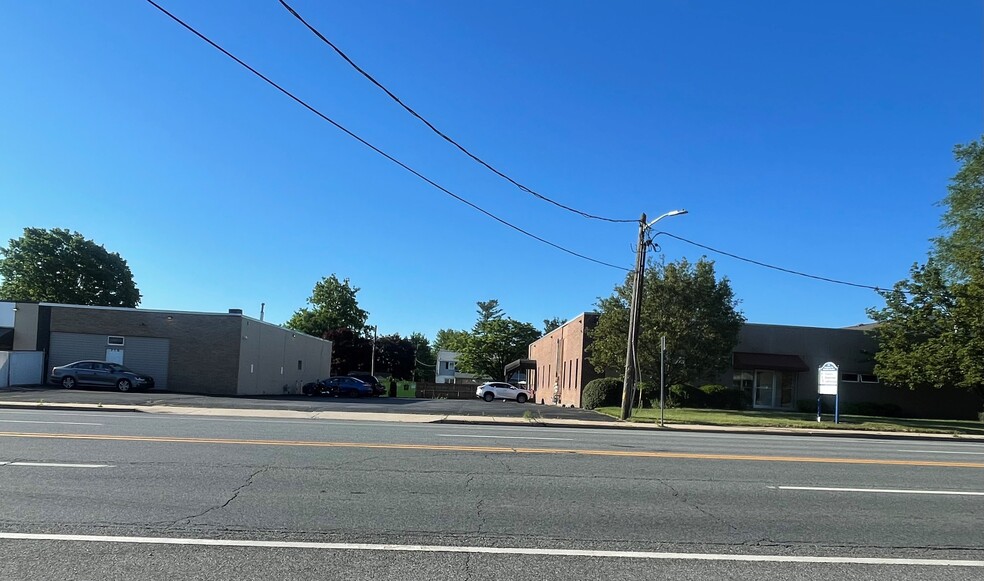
x,y
602,392
719,397
681,395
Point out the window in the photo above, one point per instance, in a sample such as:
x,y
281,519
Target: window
x,y
869,378
300,365
115,341
851,377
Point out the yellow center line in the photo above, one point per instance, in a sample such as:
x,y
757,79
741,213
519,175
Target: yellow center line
x,y
498,449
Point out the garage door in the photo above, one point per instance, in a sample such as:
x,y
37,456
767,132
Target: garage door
x,y
141,354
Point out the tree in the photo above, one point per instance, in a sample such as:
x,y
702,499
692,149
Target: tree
x,y
450,340
551,324
686,302
333,306
395,355
495,341
931,331
60,266
350,351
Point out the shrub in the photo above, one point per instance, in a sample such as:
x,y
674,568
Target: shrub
x,y
602,392
682,395
980,416
720,397
870,408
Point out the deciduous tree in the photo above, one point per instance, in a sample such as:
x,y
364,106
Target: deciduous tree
x,y
495,340
61,266
333,305
686,302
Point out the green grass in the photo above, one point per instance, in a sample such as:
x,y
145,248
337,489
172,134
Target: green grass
x,y
779,419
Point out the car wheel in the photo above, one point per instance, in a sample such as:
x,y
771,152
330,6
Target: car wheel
x,y
521,398
123,385
68,382
489,396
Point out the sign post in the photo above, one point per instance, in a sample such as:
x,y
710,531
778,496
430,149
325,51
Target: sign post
x,y
827,380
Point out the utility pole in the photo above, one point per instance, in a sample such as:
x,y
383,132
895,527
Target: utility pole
x,y
372,362
631,361
634,307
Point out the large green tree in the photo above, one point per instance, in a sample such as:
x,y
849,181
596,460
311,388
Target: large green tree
x,y
61,266
494,341
931,330
451,340
333,305
686,302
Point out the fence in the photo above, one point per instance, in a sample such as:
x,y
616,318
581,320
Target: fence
x,y
446,390
21,368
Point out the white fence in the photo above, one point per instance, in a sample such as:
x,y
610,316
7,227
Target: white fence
x,y
21,368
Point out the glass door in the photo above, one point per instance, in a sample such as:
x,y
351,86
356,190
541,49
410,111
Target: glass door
x,y
765,389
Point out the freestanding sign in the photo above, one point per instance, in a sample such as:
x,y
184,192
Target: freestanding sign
x,y
827,379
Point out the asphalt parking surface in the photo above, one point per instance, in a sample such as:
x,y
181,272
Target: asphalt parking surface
x,y
463,407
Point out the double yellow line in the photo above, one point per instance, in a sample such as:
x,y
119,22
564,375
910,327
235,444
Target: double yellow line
x,y
497,449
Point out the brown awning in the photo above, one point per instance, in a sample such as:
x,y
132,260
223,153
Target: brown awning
x,y
774,361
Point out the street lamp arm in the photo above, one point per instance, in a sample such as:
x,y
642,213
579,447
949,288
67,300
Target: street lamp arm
x,y
666,215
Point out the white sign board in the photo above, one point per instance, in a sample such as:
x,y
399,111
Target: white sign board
x,y
827,379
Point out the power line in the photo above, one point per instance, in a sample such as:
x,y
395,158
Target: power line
x,y
376,149
780,269
438,131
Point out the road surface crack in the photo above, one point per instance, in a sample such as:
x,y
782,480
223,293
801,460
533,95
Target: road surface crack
x,y
228,501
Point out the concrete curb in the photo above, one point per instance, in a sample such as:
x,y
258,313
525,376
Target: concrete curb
x,y
489,421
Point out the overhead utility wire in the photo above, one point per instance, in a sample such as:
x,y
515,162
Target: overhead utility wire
x,y
376,149
762,264
438,131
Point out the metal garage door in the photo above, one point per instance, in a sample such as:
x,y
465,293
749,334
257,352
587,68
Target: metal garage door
x,y
141,354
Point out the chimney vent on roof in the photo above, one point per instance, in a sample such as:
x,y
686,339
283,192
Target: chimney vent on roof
x,y
235,311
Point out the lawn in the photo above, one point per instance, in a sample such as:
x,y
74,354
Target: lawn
x,y
776,419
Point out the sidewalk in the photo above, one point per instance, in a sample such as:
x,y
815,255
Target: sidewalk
x,y
481,420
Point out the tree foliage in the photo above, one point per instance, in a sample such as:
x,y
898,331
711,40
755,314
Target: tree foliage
x,y
684,301
450,340
350,351
333,305
494,341
61,266
395,356
931,331
551,324
425,363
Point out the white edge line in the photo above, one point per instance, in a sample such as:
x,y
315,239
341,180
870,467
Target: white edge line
x,y
880,490
2,421
492,550
941,452
55,465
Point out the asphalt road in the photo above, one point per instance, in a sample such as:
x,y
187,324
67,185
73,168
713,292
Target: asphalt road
x,y
152,497
467,407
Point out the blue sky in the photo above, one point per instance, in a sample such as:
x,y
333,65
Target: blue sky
x,y
814,136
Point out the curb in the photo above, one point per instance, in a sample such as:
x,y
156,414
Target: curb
x,y
74,407
548,423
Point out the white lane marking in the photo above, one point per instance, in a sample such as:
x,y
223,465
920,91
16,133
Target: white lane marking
x,y
55,465
494,550
940,452
880,490
40,422
502,437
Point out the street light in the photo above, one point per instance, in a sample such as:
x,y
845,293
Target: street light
x,y
634,308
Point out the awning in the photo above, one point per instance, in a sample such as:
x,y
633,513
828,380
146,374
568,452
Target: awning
x,y
773,361
520,364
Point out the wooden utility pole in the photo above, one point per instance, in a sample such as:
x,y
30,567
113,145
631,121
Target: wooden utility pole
x,y
634,308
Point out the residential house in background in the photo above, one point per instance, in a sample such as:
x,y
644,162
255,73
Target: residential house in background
x,y
447,371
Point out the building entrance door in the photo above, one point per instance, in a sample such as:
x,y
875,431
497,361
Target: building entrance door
x,y
765,389
114,355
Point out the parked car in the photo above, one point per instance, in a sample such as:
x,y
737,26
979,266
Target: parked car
x,y
348,387
99,374
377,387
499,390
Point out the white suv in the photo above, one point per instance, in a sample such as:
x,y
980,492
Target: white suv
x,y
499,390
